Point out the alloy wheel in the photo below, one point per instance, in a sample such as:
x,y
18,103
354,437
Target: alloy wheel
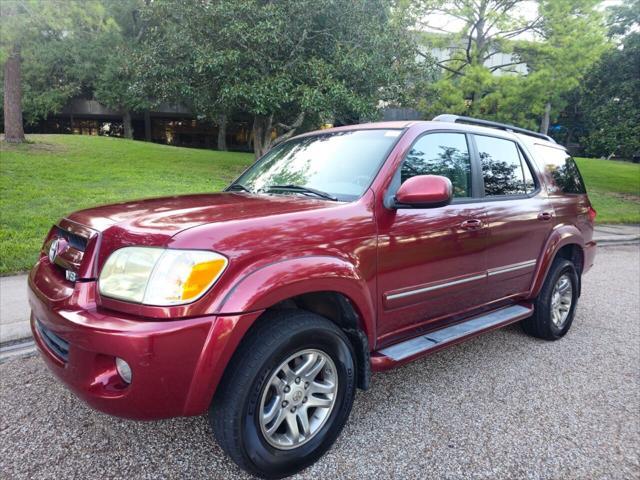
x,y
298,399
561,300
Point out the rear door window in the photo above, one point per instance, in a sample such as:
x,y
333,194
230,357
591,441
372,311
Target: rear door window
x,y
504,170
561,168
444,154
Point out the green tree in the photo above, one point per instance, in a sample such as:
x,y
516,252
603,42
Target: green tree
x,y
623,18
43,49
183,59
557,46
118,84
574,38
284,63
486,28
610,95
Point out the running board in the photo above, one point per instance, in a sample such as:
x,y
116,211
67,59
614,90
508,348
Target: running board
x,y
417,347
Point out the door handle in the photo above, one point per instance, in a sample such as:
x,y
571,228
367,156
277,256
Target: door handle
x,y
545,216
471,224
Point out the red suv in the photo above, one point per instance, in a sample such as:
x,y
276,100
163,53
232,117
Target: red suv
x,y
338,253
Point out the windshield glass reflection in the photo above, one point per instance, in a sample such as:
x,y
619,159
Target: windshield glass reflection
x,y
341,164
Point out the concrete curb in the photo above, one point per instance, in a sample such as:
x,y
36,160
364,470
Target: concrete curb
x,y
20,349
618,242
616,234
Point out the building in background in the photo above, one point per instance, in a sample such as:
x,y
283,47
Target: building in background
x,y
168,124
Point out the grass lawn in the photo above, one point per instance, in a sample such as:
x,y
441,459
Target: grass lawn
x,y
614,189
57,174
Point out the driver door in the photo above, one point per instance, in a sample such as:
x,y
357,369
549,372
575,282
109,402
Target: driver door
x,y
432,261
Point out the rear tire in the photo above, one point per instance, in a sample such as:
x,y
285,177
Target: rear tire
x,y
284,351
556,304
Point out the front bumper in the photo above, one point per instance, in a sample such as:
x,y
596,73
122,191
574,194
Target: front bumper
x,y
176,365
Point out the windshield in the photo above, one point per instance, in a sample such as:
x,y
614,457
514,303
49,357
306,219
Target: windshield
x,y
339,165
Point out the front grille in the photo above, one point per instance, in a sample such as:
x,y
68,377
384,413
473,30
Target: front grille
x,y
76,241
58,346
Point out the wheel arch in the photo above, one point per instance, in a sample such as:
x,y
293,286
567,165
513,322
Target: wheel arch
x,y
327,286
338,308
565,241
275,284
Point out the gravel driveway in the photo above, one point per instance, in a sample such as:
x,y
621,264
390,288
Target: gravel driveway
x,y
500,406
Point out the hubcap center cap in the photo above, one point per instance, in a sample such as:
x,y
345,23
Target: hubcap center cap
x,y
297,395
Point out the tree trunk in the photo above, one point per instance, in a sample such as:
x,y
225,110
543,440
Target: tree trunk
x,y
147,126
289,130
569,136
126,124
544,125
475,101
13,128
222,133
262,127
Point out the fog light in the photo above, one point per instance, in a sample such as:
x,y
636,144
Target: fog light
x,y
124,370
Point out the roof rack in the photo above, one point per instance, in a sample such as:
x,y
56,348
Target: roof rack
x,y
487,123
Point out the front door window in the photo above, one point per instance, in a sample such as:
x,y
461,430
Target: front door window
x,y
444,154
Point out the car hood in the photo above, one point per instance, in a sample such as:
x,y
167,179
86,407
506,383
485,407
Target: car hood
x,y
169,215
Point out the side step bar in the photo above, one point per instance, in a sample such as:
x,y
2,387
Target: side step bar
x,y
417,347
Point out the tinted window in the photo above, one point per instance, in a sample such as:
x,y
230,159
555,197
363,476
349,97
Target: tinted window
x,y
341,163
443,154
562,168
504,169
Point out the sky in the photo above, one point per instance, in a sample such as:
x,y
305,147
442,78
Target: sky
x,y
443,21
527,9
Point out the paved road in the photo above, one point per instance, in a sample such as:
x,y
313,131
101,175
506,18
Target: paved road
x,y
501,406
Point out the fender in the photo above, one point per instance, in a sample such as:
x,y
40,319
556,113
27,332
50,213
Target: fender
x,y
281,280
224,336
560,236
260,289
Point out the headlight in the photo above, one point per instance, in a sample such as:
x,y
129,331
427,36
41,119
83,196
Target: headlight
x,y
158,276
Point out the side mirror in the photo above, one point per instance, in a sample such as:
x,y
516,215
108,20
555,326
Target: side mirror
x,y
425,191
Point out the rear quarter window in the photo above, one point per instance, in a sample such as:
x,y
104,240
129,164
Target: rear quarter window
x,y
562,170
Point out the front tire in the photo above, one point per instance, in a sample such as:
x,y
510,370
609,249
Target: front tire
x,y
555,306
286,394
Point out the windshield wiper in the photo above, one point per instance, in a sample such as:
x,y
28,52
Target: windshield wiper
x,y
301,189
238,186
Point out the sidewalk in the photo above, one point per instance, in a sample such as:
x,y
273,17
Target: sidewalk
x,y
616,234
14,309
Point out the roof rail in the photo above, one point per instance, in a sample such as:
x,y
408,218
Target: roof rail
x,y
487,123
